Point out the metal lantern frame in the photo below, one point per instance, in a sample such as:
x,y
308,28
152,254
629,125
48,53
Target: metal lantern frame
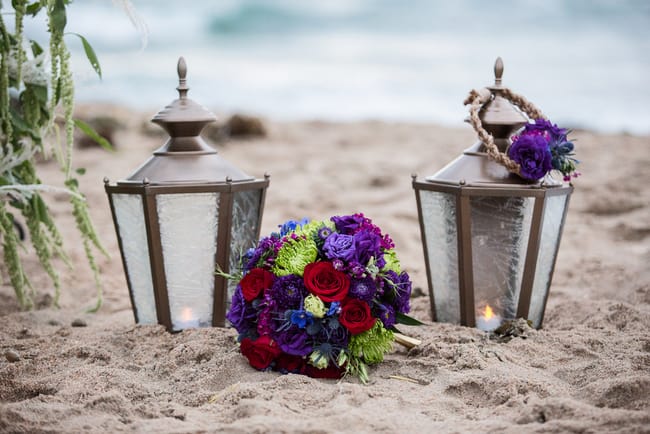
x,y
186,165
466,181
148,192
462,194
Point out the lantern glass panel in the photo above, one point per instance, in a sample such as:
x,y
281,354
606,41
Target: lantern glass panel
x,y
244,230
441,237
188,235
551,230
129,215
500,232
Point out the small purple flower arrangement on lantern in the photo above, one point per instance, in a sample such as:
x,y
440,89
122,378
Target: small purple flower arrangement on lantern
x,y
321,298
542,147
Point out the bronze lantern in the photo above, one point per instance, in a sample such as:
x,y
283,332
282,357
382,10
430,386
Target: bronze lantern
x,y
490,237
181,216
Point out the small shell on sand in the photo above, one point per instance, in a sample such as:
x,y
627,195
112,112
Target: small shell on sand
x,y
12,356
78,322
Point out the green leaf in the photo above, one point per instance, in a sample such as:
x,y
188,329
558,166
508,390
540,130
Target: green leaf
x,y
58,17
20,125
81,171
407,320
33,8
40,92
57,91
90,54
40,209
90,132
36,49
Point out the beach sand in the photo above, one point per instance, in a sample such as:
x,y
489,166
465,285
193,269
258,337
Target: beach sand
x,y
587,370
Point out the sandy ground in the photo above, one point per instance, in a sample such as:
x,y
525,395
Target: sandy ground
x,y
587,370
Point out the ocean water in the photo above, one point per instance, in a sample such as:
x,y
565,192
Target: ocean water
x,y
585,63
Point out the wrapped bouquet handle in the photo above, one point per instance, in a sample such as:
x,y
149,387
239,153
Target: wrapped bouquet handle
x,y
555,155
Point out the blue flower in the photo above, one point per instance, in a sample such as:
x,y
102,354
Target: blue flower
x,y
291,225
334,309
301,318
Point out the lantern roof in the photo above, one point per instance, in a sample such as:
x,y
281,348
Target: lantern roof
x,y
185,158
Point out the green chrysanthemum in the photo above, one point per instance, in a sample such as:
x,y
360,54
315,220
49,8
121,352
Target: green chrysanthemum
x,y
311,229
392,263
294,256
371,344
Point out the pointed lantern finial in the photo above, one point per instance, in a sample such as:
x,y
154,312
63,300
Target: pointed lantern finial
x,y
182,81
498,71
499,116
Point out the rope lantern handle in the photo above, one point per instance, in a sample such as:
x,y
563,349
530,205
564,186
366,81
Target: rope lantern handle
x,y
476,99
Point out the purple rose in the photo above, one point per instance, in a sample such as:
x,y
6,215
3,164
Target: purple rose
x,y
339,246
347,224
367,244
294,341
532,153
241,314
363,289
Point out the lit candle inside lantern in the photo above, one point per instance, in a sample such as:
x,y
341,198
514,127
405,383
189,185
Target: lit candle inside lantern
x,y
187,319
489,320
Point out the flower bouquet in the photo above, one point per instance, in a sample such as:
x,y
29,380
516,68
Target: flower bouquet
x,y
542,147
320,298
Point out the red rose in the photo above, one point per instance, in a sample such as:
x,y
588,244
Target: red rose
x,y
255,282
355,316
288,363
261,352
333,372
323,280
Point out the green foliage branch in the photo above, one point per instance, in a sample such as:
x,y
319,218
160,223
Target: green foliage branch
x,y
33,101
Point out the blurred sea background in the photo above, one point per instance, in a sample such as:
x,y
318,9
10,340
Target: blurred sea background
x,y
585,63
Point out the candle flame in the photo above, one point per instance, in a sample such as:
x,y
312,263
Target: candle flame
x,y
489,313
186,314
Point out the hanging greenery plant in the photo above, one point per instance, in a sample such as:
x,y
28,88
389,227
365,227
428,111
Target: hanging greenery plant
x,y
34,100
